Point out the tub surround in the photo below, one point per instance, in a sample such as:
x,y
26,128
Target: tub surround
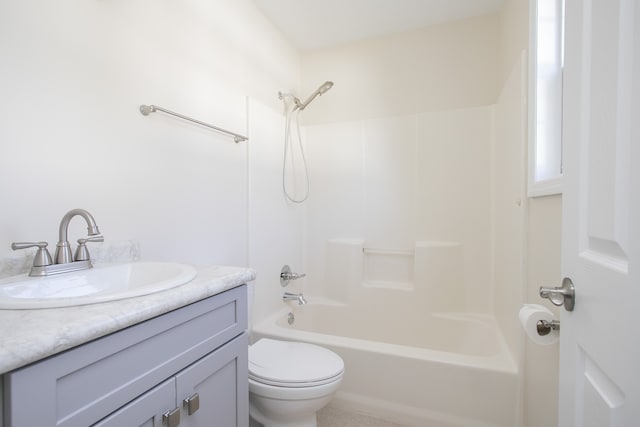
x,y
31,335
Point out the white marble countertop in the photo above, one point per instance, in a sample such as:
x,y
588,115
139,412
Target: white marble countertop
x,y
30,335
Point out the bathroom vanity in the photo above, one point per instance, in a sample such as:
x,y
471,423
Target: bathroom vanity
x,y
186,365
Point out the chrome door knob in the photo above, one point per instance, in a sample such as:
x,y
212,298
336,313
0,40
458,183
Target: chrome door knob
x,y
563,295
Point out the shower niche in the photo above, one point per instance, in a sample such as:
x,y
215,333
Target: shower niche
x,y
388,268
428,276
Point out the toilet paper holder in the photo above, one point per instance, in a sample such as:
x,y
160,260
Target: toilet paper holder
x,y
545,327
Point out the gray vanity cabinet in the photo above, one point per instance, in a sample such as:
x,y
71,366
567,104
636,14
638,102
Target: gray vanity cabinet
x,y
191,363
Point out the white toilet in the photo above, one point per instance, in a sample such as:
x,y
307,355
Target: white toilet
x,y
290,381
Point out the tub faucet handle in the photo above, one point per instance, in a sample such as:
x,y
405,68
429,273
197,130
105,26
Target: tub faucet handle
x,y
286,275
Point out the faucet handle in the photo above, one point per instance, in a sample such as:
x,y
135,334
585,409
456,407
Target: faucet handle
x,y
42,257
82,253
286,275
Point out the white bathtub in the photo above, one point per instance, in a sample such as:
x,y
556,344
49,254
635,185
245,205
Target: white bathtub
x,y
441,370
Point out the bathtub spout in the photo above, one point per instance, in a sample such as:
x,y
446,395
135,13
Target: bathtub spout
x,y
288,296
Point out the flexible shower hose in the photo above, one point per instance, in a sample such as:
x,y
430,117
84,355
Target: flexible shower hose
x,y
288,141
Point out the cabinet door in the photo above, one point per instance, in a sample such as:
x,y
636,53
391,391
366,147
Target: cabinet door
x,y
146,410
220,381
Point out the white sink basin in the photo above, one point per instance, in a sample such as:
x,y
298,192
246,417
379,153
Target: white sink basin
x,y
95,285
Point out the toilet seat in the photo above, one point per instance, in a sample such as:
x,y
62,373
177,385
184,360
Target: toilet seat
x,y
293,364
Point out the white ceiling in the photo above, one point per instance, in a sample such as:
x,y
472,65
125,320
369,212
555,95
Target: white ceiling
x,y
313,24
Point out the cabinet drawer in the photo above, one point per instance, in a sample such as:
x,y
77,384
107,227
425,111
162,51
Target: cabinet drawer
x,y
84,384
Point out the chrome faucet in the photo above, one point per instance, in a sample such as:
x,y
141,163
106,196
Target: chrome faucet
x,y
63,261
63,248
288,296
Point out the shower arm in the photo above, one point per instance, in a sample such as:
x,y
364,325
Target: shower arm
x,y
302,105
296,100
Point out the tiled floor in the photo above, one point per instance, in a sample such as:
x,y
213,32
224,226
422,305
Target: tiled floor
x,y
333,417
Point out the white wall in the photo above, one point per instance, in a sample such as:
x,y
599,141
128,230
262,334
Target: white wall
x,y
542,362
443,67
73,76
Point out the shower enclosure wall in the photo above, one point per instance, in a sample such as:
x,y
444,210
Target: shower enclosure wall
x,y
405,185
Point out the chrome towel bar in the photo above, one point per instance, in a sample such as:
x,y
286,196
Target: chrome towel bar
x,y
145,110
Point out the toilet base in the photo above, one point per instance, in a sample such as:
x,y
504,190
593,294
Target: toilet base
x,y
274,406
285,413
310,421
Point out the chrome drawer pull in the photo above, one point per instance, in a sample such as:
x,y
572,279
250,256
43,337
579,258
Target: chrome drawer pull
x,y
171,418
192,403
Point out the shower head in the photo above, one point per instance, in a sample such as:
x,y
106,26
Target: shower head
x,y
325,87
322,89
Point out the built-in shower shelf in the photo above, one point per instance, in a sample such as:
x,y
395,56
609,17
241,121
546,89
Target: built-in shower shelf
x,y
430,275
388,269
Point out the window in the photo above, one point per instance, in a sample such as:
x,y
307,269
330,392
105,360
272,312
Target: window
x,y
545,96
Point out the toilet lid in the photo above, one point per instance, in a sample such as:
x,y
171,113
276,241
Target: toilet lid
x,y
292,364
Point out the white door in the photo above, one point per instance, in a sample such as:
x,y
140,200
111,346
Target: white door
x,y
600,339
